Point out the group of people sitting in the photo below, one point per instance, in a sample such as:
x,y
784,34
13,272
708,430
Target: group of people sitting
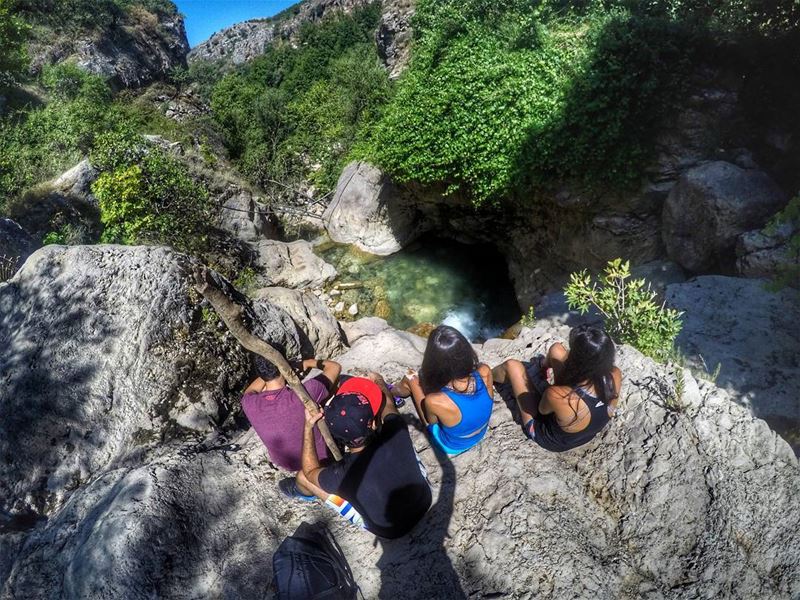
x,y
564,400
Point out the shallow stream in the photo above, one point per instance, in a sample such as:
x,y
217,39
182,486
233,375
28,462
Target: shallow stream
x,y
434,281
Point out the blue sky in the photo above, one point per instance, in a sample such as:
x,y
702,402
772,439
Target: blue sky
x,y
204,17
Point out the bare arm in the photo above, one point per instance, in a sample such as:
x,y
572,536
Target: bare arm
x,y
388,401
330,368
309,459
486,375
412,381
256,386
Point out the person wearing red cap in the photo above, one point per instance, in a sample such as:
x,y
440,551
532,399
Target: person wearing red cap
x,y
380,483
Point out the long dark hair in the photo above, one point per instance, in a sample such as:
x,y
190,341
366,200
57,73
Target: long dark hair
x,y
448,356
590,359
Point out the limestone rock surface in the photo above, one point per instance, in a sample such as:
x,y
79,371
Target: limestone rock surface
x,y
320,331
291,264
710,206
106,354
368,211
751,333
244,217
674,499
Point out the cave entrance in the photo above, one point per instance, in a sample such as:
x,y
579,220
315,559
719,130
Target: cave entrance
x,y
433,281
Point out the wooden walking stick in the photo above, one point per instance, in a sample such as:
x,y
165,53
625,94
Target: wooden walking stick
x,y
231,314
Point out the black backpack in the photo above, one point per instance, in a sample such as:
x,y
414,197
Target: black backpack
x,y
309,565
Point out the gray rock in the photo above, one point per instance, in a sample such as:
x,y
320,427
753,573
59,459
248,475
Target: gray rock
x,y
367,210
15,243
751,333
244,217
710,206
140,49
768,255
107,354
292,265
77,181
394,35
313,319
664,503
659,274
64,204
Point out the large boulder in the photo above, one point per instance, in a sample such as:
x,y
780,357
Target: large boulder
x,y
746,334
107,353
684,495
368,210
314,321
292,265
64,205
710,206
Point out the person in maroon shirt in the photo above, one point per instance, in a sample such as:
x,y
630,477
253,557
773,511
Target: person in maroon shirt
x,y
278,416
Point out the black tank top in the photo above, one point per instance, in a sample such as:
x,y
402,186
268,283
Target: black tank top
x,y
550,436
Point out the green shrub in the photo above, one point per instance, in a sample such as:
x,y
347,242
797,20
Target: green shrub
x,y
13,33
295,113
790,215
500,97
154,200
632,315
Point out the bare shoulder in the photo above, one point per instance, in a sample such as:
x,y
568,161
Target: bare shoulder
x,y
557,394
436,399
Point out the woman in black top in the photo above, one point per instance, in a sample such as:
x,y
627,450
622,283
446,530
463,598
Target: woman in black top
x,y
583,398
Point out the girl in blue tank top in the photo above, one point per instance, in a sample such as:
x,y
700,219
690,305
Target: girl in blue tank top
x,y
452,394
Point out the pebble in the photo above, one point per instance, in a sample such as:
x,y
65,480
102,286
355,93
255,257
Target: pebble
x,y
336,292
353,310
339,307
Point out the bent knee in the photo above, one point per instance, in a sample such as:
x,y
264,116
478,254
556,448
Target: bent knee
x,y
557,352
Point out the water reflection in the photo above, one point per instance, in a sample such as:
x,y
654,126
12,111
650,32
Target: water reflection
x,y
433,281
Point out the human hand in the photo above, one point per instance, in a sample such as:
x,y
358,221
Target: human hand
x,y
311,419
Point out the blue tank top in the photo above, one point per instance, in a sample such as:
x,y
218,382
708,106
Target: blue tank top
x,y
476,408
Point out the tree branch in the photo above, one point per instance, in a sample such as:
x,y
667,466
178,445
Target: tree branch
x,y
231,314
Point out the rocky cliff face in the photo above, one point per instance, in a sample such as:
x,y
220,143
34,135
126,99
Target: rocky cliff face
x,y
141,48
245,41
125,472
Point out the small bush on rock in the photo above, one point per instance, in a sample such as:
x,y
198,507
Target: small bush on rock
x,y
145,195
632,315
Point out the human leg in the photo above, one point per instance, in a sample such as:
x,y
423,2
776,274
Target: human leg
x,y
556,357
514,373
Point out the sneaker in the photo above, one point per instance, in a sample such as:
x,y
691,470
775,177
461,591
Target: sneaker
x,y
288,488
398,401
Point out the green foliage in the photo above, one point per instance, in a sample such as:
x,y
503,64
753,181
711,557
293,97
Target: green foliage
x,y
789,216
529,318
13,33
38,143
151,200
499,96
67,234
632,316
246,281
296,112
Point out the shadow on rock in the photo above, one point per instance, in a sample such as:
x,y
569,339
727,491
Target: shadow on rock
x,y
417,565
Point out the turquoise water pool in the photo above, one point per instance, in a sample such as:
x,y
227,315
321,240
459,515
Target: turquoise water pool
x,y
434,281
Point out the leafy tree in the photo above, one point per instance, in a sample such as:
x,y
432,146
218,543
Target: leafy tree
x,y
632,315
13,53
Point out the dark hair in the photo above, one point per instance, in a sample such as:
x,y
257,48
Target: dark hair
x,y
591,358
265,369
448,356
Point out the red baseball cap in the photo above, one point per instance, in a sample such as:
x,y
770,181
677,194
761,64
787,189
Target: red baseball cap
x,y
364,387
